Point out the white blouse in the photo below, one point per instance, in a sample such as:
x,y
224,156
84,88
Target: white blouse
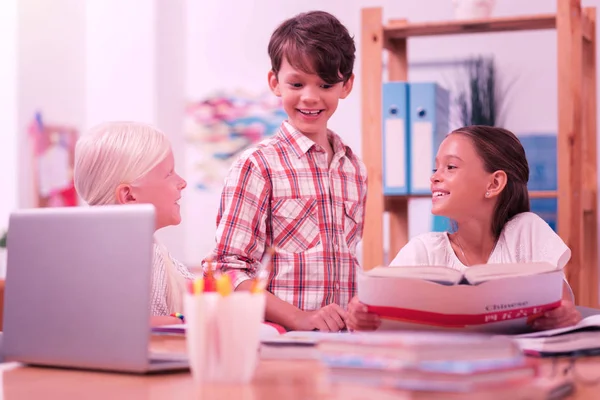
x,y
525,238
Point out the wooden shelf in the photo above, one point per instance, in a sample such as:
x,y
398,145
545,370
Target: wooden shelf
x,y
577,194
399,29
543,194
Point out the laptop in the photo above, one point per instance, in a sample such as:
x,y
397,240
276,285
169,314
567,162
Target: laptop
x,y
78,289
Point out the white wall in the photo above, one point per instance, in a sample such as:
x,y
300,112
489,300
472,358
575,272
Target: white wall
x,y
135,58
233,55
51,68
120,56
8,110
170,100
83,62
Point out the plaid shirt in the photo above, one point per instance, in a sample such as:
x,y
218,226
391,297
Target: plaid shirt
x,y
283,193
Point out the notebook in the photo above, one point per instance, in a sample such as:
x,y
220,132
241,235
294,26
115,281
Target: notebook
x,y
580,339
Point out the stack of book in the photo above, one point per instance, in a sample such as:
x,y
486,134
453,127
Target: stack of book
x,y
427,361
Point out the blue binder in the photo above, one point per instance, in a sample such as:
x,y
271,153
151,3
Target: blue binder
x,y
429,112
540,150
396,150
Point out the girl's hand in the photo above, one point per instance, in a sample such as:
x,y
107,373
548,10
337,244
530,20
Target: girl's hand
x,y
359,319
564,315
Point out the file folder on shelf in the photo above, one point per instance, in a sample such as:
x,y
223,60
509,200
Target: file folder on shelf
x,y
429,109
395,138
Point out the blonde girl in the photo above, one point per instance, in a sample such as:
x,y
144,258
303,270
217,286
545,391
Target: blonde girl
x,y
128,163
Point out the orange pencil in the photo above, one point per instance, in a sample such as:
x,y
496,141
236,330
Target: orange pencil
x,y
209,282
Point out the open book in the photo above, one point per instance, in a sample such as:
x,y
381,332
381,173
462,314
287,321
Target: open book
x,y
501,298
474,275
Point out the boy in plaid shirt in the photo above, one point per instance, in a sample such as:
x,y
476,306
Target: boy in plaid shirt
x,y
302,191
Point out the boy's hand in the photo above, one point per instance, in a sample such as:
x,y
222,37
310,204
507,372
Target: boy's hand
x,y
564,315
359,319
331,318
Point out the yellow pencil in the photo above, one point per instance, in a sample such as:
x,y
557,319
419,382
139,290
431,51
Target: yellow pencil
x,y
224,286
198,286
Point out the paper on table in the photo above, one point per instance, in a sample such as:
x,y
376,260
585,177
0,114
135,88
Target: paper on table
x,y
266,330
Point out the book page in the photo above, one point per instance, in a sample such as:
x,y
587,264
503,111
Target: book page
x,y
481,273
589,322
437,274
302,338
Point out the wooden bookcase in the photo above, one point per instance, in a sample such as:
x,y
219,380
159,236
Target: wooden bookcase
x,y
577,168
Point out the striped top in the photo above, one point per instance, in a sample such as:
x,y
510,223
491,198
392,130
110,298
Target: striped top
x,y
158,297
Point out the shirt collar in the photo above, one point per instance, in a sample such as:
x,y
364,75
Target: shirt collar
x,y
301,144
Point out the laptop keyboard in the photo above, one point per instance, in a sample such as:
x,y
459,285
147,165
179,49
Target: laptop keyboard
x,y
159,361
158,358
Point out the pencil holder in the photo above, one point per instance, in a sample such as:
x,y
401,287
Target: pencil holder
x,y
223,335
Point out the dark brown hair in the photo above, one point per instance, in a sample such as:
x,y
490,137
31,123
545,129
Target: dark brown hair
x,y
500,149
314,42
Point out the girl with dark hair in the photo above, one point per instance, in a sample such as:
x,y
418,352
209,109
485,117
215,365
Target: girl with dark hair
x,y
480,183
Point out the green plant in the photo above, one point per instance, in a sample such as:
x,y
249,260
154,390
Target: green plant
x,y
481,101
3,240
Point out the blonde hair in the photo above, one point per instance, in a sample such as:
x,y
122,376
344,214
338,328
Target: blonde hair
x,y
115,153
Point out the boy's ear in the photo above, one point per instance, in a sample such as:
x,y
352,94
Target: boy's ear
x,y
124,194
497,185
347,88
274,83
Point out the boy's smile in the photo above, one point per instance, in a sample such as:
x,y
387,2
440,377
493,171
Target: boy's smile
x,y
307,100
313,114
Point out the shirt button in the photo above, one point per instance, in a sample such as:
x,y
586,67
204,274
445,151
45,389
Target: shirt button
x,y
336,247
337,286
